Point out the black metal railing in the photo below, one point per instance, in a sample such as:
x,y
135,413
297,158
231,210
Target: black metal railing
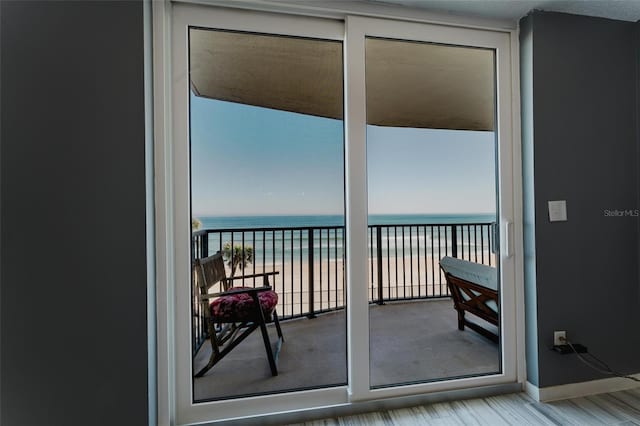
x,y
403,262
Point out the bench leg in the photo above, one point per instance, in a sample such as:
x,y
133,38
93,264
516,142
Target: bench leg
x,y
460,319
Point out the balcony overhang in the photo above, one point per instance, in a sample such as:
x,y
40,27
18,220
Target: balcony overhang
x,y
419,85
284,73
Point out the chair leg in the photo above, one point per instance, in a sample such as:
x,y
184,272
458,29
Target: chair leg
x,y
277,321
267,346
206,368
280,336
265,334
215,350
217,355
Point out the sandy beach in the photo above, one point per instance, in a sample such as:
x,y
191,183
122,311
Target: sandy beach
x,y
402,277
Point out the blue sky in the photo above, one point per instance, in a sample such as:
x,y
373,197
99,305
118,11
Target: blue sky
x,y
430,171
256,161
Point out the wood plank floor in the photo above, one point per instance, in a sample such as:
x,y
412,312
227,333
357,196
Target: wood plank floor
x,y
617,408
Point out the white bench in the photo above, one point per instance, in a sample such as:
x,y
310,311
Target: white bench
x,y
474,289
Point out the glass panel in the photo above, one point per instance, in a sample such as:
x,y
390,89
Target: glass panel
x,y
267,185
431,170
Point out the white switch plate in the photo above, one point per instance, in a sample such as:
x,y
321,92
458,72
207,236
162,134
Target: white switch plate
x,y
557,211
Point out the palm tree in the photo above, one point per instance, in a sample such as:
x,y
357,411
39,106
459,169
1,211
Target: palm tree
x,y
239,256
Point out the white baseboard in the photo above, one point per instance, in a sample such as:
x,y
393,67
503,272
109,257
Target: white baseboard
x,y
576,390
532,390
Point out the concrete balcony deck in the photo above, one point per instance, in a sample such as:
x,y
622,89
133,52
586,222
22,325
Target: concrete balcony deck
x,y
411,341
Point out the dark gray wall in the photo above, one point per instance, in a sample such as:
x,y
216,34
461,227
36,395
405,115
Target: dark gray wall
x,y
72,186
584,149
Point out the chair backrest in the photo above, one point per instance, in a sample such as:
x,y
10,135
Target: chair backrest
x,y
210,271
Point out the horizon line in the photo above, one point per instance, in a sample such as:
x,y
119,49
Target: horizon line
x,y
341,214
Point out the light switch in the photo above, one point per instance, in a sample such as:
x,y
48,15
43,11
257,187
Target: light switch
x,y
558,211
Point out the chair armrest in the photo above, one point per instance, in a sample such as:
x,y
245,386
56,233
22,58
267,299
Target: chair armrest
x,y
262,274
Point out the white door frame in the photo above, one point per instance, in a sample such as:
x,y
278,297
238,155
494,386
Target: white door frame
x,y
172,205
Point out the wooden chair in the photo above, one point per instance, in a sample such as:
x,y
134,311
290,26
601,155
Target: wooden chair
x,y
473,288
235,312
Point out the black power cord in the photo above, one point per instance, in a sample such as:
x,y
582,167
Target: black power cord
x,y
602,367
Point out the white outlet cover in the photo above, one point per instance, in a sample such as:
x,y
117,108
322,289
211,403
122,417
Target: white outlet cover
x,y
556,337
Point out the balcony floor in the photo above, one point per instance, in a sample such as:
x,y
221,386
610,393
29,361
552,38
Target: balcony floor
x,y
412,341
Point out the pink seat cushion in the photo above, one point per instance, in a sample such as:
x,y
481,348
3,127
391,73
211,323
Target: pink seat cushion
x,y
240,307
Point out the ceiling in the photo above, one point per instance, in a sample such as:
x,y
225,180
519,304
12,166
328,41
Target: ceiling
x,y
513,10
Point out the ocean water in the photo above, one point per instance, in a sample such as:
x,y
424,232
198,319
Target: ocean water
x,y
236,222
275,239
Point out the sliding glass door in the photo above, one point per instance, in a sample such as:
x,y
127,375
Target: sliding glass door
x,y
342,165
267,193
429,146
431,179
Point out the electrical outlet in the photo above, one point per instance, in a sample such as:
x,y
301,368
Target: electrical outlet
x,y
559,338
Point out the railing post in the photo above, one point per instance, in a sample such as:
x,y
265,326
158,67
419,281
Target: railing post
x,y
454,241
204,245
379,264
311,313
493,238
